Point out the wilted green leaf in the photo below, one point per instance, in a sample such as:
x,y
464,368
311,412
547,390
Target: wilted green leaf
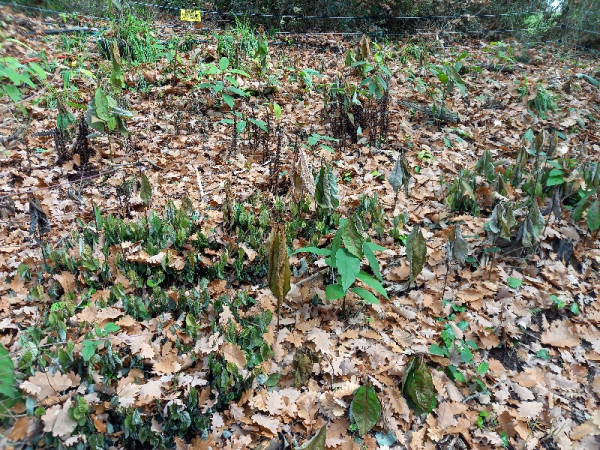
x,y
457,246
146,190
317,442
416,250
302,365
39,220
365,409
593,216
279,272
399,176
353,237
417,386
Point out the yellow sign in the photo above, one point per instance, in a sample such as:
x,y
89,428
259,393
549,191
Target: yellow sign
x,y
190,15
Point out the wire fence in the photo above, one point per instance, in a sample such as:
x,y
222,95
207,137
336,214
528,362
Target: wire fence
x,y
553,33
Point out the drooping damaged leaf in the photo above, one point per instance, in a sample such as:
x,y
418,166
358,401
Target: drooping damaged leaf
x,y
353,237
326,191
145,190
39,220
416,250
365,409
317,442
400,175
593,216
302,365
279,265
457,246
417,386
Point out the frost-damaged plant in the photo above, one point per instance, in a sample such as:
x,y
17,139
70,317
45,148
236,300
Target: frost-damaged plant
x,y
279,266
417,386
345,256
365,409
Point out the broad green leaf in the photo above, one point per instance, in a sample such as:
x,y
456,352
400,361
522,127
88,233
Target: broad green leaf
x,y
146,190
240,126
277,110
437,350
367,296
111,327
228,99
553,181
483,367
223,63
334,291
348,267
365,409
317,442
372,283
455,374
8,389
337,243
237,91
326,191
353,237
369,248
13,92
88,350
515,283
417,386
416,250
593,216
101,105
314,250
260,124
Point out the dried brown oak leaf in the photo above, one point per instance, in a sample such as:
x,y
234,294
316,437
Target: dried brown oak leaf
x,y
58,421
559,334
43,385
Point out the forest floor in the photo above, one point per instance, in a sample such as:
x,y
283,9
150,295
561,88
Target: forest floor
x,y
514,325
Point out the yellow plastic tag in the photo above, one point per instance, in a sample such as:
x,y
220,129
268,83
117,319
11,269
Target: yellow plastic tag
x,y
191,15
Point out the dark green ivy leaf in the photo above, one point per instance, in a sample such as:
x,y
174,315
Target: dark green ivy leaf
x,y
365,409
417,386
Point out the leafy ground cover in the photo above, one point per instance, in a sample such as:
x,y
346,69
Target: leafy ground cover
x,y
241,243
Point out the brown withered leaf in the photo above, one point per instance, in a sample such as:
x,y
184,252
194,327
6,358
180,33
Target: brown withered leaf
x,y
302,177
279,266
